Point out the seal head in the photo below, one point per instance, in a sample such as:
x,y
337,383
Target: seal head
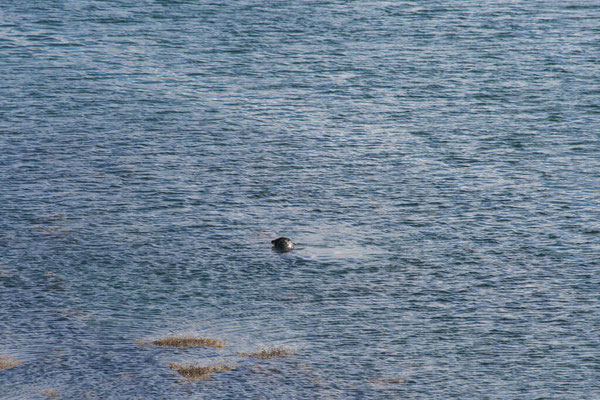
x,y
282,244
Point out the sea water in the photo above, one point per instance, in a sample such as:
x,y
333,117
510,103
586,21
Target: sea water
x,y
437,164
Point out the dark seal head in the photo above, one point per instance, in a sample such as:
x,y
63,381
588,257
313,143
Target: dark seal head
x,y
282,244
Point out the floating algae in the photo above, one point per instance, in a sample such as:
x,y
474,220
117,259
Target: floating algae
x,y
185,341
267,353
8,362
195,371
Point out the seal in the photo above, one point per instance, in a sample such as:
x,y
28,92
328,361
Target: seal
x,y
282,244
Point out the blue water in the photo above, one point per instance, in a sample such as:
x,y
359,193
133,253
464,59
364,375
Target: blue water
x,y
437,164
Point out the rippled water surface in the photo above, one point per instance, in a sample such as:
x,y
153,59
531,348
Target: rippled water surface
x,y
436,162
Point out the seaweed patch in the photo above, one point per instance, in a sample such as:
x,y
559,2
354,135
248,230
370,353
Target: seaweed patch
x,y
195,371
185,341
8,362
267,353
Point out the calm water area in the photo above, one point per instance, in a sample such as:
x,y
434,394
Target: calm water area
x,y
436,162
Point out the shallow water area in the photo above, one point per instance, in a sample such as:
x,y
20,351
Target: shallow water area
x,y
436,163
